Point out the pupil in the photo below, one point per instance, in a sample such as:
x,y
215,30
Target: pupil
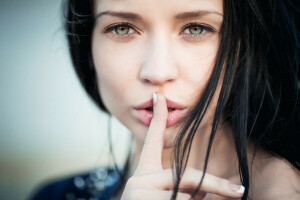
x,y
195,30
122,30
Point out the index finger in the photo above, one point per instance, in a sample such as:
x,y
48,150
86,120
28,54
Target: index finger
x,y
151,153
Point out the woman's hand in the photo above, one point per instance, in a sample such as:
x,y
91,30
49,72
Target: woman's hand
x,y
150,181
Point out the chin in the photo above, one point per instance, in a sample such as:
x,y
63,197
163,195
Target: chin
x,y
169,137
140,130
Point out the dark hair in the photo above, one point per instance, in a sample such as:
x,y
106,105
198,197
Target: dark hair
x,y
259,53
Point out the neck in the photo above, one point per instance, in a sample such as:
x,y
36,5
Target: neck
x,y
223,160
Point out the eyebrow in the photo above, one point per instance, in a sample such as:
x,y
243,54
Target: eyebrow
x,y
188,15
125,15
134,16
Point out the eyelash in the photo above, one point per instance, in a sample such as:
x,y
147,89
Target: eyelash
x,y
206,28
203,26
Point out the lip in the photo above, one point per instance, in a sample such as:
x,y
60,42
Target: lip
x,y
149,103
145,116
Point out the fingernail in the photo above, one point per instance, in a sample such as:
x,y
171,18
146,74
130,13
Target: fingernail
x,y
154,98
237,188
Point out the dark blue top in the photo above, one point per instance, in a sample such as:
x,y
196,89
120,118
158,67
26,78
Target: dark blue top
x,y
98,184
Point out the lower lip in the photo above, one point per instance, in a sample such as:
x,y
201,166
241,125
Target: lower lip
x,y
145,116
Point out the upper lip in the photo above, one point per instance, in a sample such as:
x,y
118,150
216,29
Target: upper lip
x,y
149,103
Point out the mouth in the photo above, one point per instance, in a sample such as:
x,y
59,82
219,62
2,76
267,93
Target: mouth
x,y
148,105
144,112
151,109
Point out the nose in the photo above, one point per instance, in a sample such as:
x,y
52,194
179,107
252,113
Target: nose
x,y
158,66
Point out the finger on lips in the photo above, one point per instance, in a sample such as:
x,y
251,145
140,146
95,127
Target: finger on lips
x,y
150,172
151,153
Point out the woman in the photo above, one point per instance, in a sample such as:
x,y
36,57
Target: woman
x,y
208,88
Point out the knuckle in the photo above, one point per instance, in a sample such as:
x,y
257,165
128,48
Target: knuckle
x,y
187,171
131,194
184,196
188,168
191,176
132,182
218,181
136,181
192,171
222,185
222,182
134,189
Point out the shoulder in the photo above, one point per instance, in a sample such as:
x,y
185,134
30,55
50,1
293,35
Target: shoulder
x,y
96,184
275,178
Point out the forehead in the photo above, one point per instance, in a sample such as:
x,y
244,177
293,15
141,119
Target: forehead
x,y
152,7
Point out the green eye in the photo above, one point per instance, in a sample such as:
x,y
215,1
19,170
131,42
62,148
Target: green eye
x,y
195,30
122,30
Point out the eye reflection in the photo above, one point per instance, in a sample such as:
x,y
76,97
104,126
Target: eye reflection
x,y
195,30
122,30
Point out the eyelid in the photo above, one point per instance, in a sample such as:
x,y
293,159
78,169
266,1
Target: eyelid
x,y
204,26
114,26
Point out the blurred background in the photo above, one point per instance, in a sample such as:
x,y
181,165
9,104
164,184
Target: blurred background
x,y
48,126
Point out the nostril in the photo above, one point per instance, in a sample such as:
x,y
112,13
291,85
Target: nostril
x,y
156,76
146,81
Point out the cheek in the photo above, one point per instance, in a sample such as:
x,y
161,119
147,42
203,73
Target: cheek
x,y
196,64
117,68
114,79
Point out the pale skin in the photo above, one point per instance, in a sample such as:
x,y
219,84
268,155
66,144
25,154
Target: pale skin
x,y
151,180
158,53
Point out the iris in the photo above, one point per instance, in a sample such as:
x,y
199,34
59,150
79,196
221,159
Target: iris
x,y
122,30
195,30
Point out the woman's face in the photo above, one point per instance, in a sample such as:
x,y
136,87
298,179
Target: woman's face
x,y
145,46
